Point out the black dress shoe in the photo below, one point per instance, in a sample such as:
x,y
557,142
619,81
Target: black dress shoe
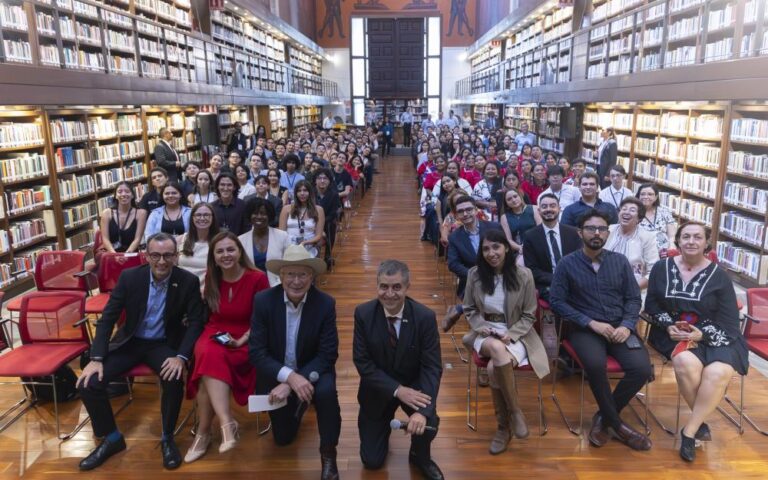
x,y
171,454
687,447
429,469
100,455
328,460
599,434
703,433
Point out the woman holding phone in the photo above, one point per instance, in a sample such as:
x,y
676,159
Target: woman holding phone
x,y
692,307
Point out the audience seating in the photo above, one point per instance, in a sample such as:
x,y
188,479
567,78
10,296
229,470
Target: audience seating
x,y
110,268
52,335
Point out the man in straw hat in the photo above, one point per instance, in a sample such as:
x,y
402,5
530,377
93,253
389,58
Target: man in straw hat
x,y
294,345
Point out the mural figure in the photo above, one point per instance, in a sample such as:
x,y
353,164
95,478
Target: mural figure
x,y
370,5
459,12
421,5
332,13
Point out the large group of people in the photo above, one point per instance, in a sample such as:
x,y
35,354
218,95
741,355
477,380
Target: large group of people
x,y
230,290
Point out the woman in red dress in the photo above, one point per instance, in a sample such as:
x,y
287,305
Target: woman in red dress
x,y
221,353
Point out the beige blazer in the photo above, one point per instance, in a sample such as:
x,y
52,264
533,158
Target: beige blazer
x,y
278,242
520,311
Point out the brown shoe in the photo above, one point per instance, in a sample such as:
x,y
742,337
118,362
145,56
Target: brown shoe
x,y
598,434
632,438
450,318
502,436
505,376
482,377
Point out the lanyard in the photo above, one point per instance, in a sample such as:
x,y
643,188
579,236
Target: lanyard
x,y
613,197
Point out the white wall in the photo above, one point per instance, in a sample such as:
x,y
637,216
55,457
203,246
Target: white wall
x,y
337,70
455,67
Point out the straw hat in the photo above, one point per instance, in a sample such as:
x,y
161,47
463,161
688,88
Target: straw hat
x,y
297,255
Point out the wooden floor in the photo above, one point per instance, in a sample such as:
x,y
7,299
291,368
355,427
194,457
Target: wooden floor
x,y
387,226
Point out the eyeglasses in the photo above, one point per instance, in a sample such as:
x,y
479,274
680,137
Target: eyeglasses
x,y
202,216
593,229
466,211
168,257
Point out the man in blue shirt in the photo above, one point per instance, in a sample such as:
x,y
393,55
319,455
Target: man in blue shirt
x,y
164,315
595,291
525,136
387,131
588,186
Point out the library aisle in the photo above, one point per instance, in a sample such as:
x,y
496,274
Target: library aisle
x,y
387,226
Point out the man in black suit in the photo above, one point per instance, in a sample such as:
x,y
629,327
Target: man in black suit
x,y
328,198
545,245
165,156
397,353
164,315
463,244
293,339
238,141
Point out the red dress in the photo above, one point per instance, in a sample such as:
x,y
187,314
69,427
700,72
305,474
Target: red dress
x,y
230,365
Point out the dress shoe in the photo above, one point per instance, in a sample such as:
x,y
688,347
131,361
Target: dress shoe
x,y
171,454
230,434
100,455
199,447
632,438
428,468
599,434
328,460
703,433
687,447
450,318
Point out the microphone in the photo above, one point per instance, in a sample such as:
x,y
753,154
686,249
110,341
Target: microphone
x,y
302,407
396,424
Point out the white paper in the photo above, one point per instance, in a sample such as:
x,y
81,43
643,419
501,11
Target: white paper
x,y
260,403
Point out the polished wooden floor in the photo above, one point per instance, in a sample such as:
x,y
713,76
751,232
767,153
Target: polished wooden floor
x,y
387,226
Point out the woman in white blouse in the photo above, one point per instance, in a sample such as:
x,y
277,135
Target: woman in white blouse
x,y
193,245
263,243
638,245
484,192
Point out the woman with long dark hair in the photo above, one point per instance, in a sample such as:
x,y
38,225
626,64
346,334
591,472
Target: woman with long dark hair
x,y
500,306
303,219
193,245
122,225
222,366
203,192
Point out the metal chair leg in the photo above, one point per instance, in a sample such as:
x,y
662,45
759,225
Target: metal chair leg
x,y
560,409
740,410
456,346
470,425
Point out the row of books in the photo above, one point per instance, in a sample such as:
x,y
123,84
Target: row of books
x,y
106,179
23,166
748,163
27,231
27,199
73,186
68,130
14,135
743,260
745,228
746,196
100,127
750,130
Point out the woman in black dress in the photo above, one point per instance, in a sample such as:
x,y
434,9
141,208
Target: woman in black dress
x,y
694,301
122,225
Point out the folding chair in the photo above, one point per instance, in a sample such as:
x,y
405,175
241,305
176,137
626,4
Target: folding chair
x,y
49,342
110,268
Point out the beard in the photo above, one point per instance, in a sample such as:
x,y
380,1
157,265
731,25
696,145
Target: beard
x,y
595,244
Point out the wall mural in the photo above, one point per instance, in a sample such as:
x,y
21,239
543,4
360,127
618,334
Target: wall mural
x,y
333,18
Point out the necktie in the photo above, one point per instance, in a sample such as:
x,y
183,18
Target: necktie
x,y
392,332
555,248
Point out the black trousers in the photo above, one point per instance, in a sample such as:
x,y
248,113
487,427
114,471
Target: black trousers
x,y
386,145
375,431
285,423
407,134
593,350
151,352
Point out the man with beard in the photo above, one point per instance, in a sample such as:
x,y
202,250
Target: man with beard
x,y
595,291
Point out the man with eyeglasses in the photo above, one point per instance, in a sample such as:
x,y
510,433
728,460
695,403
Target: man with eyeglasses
x,y
463,244
294,346
164,315
595,291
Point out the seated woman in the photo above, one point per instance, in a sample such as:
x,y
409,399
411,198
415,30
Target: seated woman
x,y
517,218
263,242
692,307
500,306
215,165
633,242
221,352
173,217
123,225
261,185
658,219
486,189
275,189
303,220
534,187
229,208
203,191
243,180
511,182
193,245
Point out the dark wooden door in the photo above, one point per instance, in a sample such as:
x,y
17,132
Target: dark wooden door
x,y
395,57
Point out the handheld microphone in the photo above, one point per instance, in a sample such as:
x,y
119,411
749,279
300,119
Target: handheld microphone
x,y
396,424
302,407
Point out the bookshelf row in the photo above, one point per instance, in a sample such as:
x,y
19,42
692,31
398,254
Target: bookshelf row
x,y
395,108
543,121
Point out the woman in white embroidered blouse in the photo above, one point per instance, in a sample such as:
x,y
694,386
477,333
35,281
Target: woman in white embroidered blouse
x,y
637,245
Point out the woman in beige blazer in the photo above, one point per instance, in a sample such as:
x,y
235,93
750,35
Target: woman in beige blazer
x,y
500,305
269,243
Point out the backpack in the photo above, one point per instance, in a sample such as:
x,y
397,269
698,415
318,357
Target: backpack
x,y
64,383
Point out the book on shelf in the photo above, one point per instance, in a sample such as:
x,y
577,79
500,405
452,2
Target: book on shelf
x,y
748,163
743,260
129,124
102,127
749,130
129,150
68,130
73,186
80,240
103,154
747,196
24,265
26,199
14,135
745,228
26,232
23,166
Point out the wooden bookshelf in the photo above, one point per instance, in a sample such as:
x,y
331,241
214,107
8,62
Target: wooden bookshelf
x,y
305,116
278,121
480,113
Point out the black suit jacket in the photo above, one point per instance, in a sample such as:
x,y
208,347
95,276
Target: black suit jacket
x,y
536,251
317,342
237,141
182,305
461,255
607,159
415,363
166,157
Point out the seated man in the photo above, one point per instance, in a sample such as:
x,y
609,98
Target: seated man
x,y
293,339
397,354
588,185
595,290
164,315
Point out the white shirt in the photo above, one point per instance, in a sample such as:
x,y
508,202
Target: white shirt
x,y
523,138
328,123
399,321
559,241
292,322
613,196
406,117
567,195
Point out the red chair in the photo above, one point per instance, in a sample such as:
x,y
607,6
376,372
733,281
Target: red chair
x,y
110,268
52,335
56,270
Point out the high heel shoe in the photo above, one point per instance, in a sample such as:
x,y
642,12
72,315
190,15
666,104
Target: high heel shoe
x,y
687,447
199,447
703,433
230,433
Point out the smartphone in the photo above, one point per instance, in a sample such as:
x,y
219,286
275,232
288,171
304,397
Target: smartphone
x,y
222,337
633,343
683,326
